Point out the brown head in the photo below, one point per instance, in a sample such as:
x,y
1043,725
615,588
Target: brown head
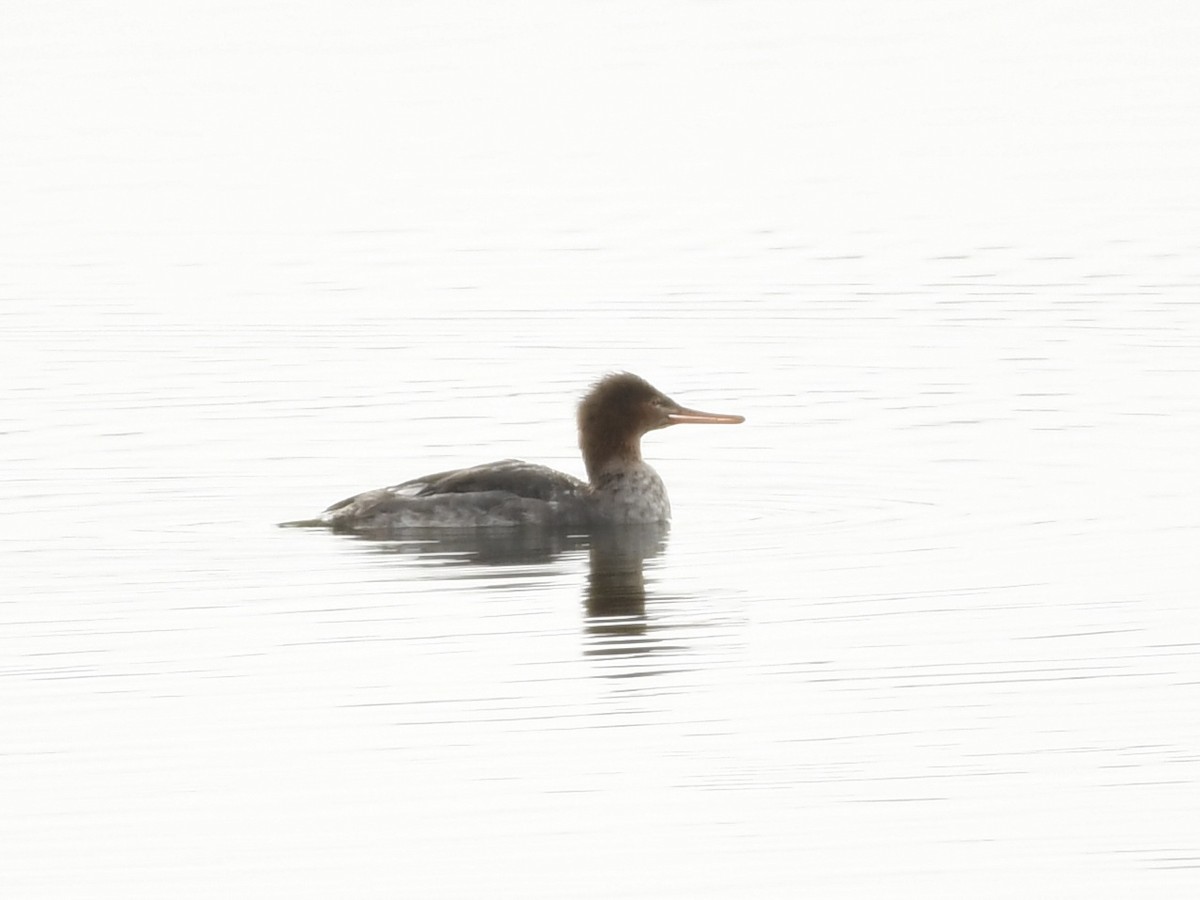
x,y
619,409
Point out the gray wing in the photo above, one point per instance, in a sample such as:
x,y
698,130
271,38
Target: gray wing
x,y
512,476
504,492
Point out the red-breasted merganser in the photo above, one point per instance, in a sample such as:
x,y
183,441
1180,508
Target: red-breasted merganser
x,y
621,488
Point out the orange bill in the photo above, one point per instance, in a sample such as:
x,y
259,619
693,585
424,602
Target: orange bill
x,y
682,415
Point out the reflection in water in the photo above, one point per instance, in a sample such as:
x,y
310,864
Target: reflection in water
x,y
615,602
615,597
616,578
478,546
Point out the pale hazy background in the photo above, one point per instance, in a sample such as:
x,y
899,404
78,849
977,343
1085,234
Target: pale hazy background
x,y
925,626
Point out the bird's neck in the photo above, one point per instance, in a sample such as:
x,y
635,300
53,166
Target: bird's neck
x,y
607,455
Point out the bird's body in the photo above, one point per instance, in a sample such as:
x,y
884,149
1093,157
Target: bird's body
x,y
621,487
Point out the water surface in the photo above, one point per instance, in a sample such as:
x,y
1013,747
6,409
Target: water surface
x,y
925,625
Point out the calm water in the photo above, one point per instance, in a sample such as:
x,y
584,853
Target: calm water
x,y
926,625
